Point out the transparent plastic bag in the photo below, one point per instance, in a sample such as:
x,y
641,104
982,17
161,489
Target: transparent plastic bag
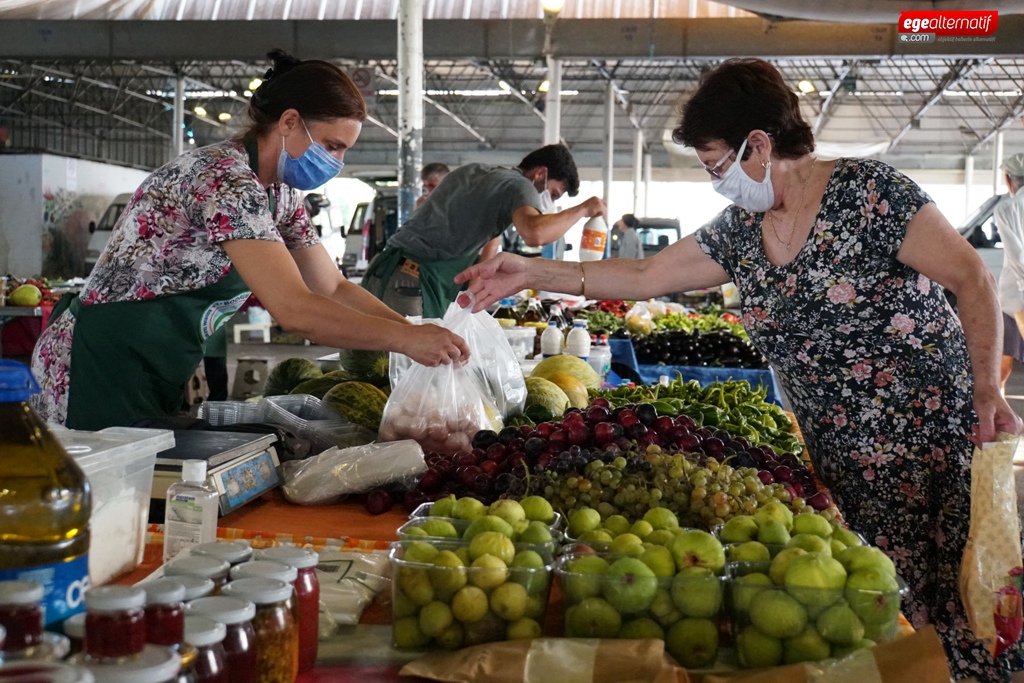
x,y
639,319
440,408
335,473
349,580
991,572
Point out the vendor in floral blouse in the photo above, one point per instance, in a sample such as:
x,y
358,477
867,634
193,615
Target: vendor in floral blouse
x,y
840,265
200,235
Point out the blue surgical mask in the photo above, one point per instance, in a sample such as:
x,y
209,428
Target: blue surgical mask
x,y
311,170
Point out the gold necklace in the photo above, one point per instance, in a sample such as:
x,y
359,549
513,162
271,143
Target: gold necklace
x,y
803,200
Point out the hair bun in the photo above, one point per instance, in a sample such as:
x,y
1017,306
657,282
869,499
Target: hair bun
x,y
283,62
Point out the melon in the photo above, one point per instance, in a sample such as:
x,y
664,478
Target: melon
x,y
366,366
572,387
570,365
358,402
319,386
540,391
289,374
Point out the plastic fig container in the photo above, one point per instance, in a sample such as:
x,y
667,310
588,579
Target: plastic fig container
x,y
423,510
411,531
774,624
438,602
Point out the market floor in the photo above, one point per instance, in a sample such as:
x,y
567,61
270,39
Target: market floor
x,y
275,353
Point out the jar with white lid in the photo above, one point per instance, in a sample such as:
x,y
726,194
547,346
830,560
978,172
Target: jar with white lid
x,y
195,586
155,664
207,636
74,629
21,614
239,640
307,595
44,672
232,552
199,565
165,612
115,623
277,633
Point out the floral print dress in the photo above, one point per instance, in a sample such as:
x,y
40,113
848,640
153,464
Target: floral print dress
x,y
875,364
168,241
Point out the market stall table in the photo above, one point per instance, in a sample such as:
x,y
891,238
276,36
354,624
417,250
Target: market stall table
x,y
23,315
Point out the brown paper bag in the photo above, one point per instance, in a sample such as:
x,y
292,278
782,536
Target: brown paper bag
x,y
990,574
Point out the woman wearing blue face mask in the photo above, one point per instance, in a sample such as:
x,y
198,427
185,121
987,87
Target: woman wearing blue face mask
x,y
202,233
840,265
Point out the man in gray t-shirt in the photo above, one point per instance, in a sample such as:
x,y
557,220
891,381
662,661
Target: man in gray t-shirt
x,y
629,241
461,222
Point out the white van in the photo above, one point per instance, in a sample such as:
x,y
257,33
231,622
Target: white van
x,y
99,232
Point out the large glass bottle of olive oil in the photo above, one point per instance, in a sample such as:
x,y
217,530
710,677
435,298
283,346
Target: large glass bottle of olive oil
x,y
45,502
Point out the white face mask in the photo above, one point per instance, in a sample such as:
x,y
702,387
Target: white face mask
x,y
742,190
547,204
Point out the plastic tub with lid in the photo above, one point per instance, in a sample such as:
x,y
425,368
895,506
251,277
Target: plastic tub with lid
x,y
119,463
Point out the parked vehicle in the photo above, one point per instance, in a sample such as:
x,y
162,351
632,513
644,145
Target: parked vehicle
x,y
655,234
99,231
980,227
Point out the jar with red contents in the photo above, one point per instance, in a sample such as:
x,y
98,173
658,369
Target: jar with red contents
x,y
115,623
199,565
165,612
239,639
267,569
277,634
232,552
307,593
21,614
207,636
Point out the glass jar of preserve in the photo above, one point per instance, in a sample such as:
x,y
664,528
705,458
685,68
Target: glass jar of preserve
x,y
155,664
307,594
277,634
115,623
207,636
240,638
165,612
44,672
21,614
199,565
195,586
232,552
272,570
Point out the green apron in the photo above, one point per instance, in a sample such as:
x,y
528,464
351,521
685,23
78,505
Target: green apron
x,y
131,359
436,278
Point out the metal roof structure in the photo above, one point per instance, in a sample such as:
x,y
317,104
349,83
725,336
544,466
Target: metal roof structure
x,y
103,89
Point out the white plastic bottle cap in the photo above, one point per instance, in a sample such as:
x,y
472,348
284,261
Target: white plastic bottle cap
x,y
265,568
291,555
260,591
232,552
164,592
197,565
193,470
203,631
20,592
195,586
114,598
223,609
663,380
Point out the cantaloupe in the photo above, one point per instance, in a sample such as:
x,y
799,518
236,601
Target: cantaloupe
x,y
542,392
570,365
572,387
360,403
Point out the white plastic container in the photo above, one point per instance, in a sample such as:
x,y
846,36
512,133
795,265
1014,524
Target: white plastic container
x,y
551,341
600,359
521,340
119,463
578,341
595,238
191,513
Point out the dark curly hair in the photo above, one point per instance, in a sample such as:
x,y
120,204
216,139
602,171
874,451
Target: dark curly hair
x,y
741,95
318,90
560,164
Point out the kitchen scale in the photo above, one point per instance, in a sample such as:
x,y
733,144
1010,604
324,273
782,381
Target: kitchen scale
x,y
240,466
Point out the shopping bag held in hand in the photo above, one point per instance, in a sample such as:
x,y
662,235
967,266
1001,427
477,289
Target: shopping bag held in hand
x,y
990,574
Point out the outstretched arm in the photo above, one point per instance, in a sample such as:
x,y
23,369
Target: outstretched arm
x,y
680,267
538,229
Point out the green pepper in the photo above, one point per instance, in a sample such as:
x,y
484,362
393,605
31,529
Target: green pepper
x,y
665,408
712,415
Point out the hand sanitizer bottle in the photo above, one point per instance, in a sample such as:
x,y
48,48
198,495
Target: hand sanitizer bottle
x,y
191,514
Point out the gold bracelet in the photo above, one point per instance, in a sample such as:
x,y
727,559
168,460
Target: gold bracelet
x,y
583,281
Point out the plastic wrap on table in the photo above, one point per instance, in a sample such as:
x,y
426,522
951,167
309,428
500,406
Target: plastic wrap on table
x,y
335,473
991,572
221,413
294,410
324,434
708,375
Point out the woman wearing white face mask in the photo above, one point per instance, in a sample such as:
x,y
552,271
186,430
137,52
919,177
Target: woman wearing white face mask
x,y
840,265
199,235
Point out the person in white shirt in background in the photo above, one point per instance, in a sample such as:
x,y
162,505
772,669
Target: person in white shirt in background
x,y
1009,218
629,241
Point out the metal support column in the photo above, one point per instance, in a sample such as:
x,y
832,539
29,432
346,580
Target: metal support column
x,y
968,182
553,103
609,140
638,166
997,161
178,122
410,105
647,183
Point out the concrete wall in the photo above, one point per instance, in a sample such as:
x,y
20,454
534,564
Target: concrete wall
x,y
46,204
